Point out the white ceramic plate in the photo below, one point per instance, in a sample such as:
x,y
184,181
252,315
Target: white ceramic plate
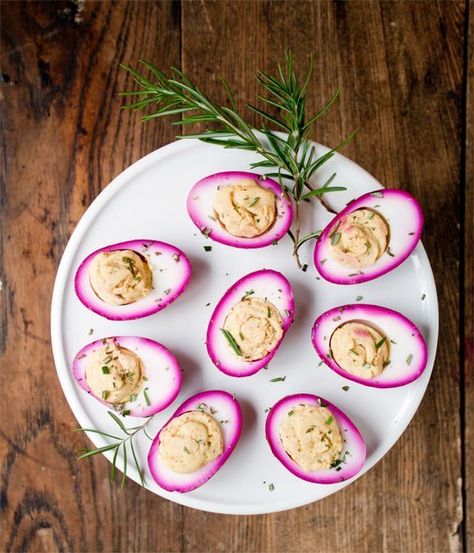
x,y
148,201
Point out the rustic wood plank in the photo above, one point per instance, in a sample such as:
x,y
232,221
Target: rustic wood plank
x,y
468,350
64,138
400,69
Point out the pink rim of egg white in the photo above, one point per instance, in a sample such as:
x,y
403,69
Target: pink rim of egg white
x,y
171,274
265,283
200,205
405,218
408,352
353,453
224,408
161,369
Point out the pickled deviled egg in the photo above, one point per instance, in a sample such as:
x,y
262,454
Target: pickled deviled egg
x,y
196,441
249,323
373,235
134,279
314,440
371,345
134,376
240,209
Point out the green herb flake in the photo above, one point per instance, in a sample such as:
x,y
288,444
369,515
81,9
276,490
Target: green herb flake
x,y
377,194
126,412
271,487
278,379
91,331
145,395
291,413
423,297
254,202
378,345
269,313
329,420
304,268
207,248
105,394
335,238
186,450
345,388
359,298
105,370
232,343
410,358
133,397
247,294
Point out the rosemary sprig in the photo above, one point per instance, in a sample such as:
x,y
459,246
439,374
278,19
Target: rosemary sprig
x,y
290,157
122,443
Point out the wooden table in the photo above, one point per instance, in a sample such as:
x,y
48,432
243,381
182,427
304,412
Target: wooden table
x,y
406,74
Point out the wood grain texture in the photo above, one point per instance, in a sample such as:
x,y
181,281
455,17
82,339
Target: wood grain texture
x,y
402,72
468,265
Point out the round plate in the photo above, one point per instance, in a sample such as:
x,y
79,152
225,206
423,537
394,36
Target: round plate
x,y
148,200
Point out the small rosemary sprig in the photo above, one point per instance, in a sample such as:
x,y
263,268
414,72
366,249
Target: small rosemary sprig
x,y
123,443
288,155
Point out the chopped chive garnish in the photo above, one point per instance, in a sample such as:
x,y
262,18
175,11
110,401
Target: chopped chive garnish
x,y
423,297
241,336
186,450
359,298
354,352
207,248
108,359
389,252
269,313
145,395
378,345
334,230
345,388
254,202
105,394
133,397
409,358
271,487
232,343
105,370
290,413
310,429
304,268
330,419
377,193
247,294
126,412
371,216
208,304
335,238
91,330
167,291
278,379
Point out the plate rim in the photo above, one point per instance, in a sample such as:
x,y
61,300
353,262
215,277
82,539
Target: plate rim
x,y
81,415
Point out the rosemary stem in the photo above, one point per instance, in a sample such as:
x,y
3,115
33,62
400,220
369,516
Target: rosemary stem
x,y
297,221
